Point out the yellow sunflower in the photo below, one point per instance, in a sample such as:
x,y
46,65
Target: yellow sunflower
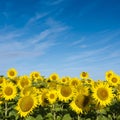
x,y
75,82
80,103
2,81
12,73
114,80
103,94
109,74
27,90
84,75
52,96
42,98
65,93
9,91
35,75
89,81
83,90
26,104
23,81
54,77
64,80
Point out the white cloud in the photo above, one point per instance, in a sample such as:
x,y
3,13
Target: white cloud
x,y
77,42
37,17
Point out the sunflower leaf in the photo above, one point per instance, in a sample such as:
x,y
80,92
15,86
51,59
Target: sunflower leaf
x,y
30,118
67,117
39,117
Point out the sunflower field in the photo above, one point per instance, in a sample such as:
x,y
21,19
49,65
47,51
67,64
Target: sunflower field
x,y
35,97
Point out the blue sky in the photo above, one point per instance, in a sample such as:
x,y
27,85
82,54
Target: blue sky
x,y
62,36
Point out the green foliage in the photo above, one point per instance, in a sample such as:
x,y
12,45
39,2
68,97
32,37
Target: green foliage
x,y
67,117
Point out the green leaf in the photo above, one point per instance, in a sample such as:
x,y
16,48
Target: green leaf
x,y
118,117
88,119
58,118
101,117
67,117
30,118
49,115
39,117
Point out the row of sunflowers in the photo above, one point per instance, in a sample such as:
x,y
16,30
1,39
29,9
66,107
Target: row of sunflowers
x,y
35,97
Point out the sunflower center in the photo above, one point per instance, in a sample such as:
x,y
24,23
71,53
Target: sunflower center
x,y
24,82
64,80
84,74
26,103
52,96
12,73
8,91
54,77
109,75
102,93
114,80
36,75
74,82
66,91
79,101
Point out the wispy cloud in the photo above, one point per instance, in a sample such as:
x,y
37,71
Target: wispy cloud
x,y
53,2
77,42
37,17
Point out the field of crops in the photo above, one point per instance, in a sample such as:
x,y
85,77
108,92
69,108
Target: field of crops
x,y
36,97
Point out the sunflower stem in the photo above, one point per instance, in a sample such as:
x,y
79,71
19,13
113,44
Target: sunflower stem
x,y
54,114
6,110
78,117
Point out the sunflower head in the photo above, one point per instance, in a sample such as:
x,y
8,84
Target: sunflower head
x,y
2,81
52,96
80,103
9,91
84,75
12,73
109,74
64,80
114,80
35,75
65,93
75,82
54,77
103,94
24,81
26,104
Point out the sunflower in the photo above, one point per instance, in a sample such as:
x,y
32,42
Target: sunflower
x,y
52,96
75,82
64,80
89,81
42,98
12,73
9,91
103,94
54,77
35,75
26,104
109,74
2,81
27,90
65,93
23,81
84,75
83,90
114,80
80,103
